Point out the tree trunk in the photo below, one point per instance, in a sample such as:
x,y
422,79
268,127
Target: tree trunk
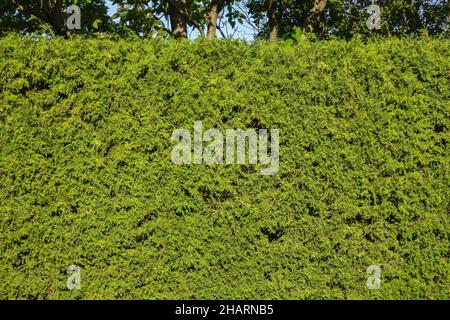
x,y
214,10
312,18
177,16
57,19
273,23
50,12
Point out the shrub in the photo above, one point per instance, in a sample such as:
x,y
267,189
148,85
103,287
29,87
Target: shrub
x,y
87,180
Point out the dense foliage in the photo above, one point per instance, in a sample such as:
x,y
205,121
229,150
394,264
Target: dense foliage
x,y
242,18
86,176
347,18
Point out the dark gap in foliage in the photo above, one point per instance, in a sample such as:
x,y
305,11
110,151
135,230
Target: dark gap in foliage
x,y
273,233
438,128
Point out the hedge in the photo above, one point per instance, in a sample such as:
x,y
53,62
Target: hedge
x,y
87,177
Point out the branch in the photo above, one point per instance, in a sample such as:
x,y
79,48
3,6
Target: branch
x,y
246,18
29,10
221,32
313,15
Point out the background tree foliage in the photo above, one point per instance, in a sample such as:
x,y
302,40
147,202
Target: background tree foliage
x,y
49,16
345,18
145,18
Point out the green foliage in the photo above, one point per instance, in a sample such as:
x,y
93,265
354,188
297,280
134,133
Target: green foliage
x,y
86,176
138,16
297,35
347,18
94,16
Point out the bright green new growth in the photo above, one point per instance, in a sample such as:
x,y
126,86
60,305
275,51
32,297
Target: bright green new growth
x,y
86,176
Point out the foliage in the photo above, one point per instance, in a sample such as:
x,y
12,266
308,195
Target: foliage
x,y
94,16
145,18
347,18
297,35
86,177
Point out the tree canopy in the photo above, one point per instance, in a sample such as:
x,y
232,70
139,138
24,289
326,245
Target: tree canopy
x,y
266,18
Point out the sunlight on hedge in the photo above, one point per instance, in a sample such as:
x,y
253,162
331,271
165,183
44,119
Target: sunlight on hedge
x,y
87,180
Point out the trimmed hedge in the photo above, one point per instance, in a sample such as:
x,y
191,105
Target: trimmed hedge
x,y
87,178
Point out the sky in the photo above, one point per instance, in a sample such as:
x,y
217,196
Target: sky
x,y
111,7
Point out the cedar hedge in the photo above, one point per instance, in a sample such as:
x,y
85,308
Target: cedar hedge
x,y
86,175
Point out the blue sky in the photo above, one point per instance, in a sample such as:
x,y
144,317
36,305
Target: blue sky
x,y
111,7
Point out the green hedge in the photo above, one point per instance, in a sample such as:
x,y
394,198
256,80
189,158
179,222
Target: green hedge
x,y
87,178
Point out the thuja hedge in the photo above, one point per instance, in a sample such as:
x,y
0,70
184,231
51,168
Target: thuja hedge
x,y
87,177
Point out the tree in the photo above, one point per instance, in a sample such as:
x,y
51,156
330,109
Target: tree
x,y
312,18
138,16
346,18
28,16
49,12
145,17
177,11
398,17
196,14
281,16
273,19
215,8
